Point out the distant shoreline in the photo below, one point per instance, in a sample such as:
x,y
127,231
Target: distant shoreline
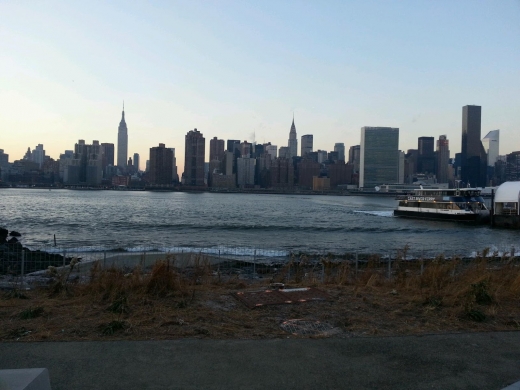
x,y
208,190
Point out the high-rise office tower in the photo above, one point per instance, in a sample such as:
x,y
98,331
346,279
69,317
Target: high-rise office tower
x,y
122,142
322,156
307,141
136,162
161,160
245,149
246,171
339,147
293,141
86,166
175,176
216,149
354,157
284,152
443,159
379,156
232,144
491,143
195,146
426,159
272,150
38,155
473,156
107,154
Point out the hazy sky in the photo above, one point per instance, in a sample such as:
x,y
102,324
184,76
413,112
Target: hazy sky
x,y
232,69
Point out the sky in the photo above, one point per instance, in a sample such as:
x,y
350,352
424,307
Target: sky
x,y
241,69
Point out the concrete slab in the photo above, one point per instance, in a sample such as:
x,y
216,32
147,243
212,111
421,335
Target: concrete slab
x,y
514,386
25,379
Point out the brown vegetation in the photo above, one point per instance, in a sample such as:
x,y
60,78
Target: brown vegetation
x,y
409,297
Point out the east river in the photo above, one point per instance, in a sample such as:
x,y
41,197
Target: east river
x,y
271,224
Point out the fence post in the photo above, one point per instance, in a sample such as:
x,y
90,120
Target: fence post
x,y
357,263
64,258
22,267
254,263
322,273
422,265
104,259
389,266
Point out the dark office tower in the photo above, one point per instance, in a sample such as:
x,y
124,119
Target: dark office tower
x,y
107,155
307,141
122,142
353,157
410,165
258,150
233,144
443,159
216,149
473,156
161,161
245,149
195,146
307,170
426,162
136,162
340,148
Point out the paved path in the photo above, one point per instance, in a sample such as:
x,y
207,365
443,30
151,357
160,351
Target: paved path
x,y
455,361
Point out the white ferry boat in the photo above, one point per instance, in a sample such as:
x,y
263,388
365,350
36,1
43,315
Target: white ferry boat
x,y
460,204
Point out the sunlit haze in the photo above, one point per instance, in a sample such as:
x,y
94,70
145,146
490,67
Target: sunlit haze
x,y
234,69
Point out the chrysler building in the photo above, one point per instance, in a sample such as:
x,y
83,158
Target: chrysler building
x,y
293,141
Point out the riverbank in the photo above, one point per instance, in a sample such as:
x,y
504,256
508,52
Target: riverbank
x,y
197,302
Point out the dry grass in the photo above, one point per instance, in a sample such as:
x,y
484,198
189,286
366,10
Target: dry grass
x,y
169,303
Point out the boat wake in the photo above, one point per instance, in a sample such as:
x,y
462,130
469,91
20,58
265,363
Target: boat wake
x,y
376,213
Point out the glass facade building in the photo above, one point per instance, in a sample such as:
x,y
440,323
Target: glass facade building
x,y
379,156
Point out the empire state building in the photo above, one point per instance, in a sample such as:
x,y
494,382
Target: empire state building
x,y
122,142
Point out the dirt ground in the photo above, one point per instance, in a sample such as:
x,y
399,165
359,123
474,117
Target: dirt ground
x,y
213,312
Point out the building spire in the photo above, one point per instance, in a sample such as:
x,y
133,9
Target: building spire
x,y
123,118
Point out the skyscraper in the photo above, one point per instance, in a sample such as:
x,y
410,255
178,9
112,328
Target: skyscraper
x,y
86,166
136,162
293,141
161,160
38,155
107,154
195,146
354,157
443,159
339,147
272,150
216,149
379,156
473,155
122,142
491,143
233,144
307,141
426,159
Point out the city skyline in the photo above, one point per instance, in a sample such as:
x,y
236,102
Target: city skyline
x,y
355,65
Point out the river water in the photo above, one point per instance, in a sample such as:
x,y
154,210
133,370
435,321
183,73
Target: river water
x,y
273,224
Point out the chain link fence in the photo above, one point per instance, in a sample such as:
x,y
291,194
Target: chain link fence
x,y
18,263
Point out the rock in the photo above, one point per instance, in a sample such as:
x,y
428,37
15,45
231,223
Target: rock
x,y
3,234
15,234
12,240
